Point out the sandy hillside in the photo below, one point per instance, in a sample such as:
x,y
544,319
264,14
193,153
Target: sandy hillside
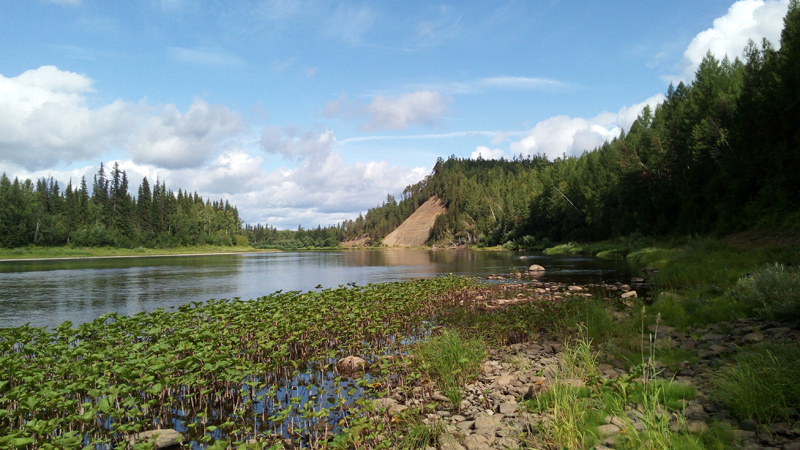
x,y
416,229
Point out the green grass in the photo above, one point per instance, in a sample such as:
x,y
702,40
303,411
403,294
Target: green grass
x,y
452,360
763,383
35,252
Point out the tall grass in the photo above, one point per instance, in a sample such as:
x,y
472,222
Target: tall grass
x,y
452,360
763,384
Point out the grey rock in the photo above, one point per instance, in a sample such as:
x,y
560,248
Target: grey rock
x,y
752,338
697,426
478,442
749,425
508,408
608,430
163,438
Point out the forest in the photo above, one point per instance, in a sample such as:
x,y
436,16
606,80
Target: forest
x,y
720,154
41,214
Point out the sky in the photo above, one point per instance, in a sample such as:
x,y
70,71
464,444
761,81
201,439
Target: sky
x,y
307,113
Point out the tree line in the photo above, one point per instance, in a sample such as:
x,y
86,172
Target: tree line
x,y
41,213
719,155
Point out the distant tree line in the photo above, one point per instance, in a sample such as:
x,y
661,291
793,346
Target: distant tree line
x,y
719,155
41,213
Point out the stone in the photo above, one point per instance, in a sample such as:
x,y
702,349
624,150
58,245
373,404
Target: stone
x,y
608,430
536,268
752,338
508,442
696,426
439,397
449,442
163,438
749,425
508,409
465,426
351,364
504,380
478,442
575,288
629,294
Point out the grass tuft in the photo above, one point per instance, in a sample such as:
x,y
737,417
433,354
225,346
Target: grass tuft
x,y
763,384
452,361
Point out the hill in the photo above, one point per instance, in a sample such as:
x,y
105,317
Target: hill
x,y
416,230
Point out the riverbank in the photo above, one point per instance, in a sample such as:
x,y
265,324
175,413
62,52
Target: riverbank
x,y
702,356
67,253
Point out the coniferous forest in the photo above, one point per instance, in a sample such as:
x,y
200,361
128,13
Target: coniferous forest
x,y
720,155
109,215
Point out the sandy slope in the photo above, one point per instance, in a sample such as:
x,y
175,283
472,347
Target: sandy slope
x,y
416,229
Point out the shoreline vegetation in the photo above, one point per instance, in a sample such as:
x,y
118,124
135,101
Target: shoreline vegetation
x,y
705,358
34,253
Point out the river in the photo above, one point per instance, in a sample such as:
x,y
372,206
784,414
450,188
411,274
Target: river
x,y
45,293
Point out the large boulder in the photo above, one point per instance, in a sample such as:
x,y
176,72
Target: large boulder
x,y
164,438
351,364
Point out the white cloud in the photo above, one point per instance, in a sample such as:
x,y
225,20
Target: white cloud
x,y
628,114
177,140
415,108
323,188
45,119
293,144
562,135
485,152
745,20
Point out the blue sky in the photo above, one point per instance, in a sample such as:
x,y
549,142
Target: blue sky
x,y
310,112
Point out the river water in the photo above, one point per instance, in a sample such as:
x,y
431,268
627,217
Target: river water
x,y
47,293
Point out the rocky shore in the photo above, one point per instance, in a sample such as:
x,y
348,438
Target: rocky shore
x,y
491,415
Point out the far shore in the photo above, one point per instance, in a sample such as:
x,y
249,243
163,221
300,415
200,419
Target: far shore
x,y
52,254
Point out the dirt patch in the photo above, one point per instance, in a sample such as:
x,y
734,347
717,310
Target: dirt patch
x,y
362,241
415,230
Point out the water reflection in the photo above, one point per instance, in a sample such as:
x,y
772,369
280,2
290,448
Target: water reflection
x,y
46,293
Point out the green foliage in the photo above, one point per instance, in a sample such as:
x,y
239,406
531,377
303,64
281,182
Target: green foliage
x,y
228,370
42,214
772,291
763,384
452,360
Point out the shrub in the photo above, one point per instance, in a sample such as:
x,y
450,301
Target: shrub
x,y
773,292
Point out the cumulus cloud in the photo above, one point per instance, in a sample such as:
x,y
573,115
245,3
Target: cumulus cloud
x,y
745,20
323,187
294,144
484,152
423,107
567,136
45,119
174,139
628,114
563,135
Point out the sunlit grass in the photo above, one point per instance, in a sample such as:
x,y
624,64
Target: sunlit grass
x,y
35,252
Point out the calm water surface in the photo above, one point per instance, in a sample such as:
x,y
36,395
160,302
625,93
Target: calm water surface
x,y
47,293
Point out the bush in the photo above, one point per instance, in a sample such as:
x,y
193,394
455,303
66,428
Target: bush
x,y
773,292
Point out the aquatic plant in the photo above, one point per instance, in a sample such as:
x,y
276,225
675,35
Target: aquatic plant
x,y
221,371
